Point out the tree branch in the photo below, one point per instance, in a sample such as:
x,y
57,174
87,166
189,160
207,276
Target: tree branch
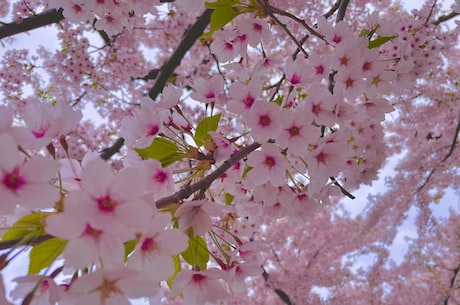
x,y
8,244
342,9
451,150
35,22
445,18
108,152
206,182
187,42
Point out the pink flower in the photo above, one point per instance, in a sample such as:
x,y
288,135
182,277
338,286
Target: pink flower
x,y
264,121
110,202
243,96
298,130
208,90
256,31
297,74
86,245
111,287
75,10
197,215
156,246
161,182
47,292
25,182
112,22
200,287
140,130
45,122
268,165
321,103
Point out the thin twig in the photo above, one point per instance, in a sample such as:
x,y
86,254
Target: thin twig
x,y
451,150
269,10
333,9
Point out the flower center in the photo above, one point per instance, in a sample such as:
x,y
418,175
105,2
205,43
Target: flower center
x,y
264,120
106,204
13,180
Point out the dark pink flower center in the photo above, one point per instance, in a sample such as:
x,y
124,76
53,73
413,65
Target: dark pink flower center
x,y
153,130
256,27
198,278
39,133
248,101
319,70
148,245
228,46
13,180
160,177
210,94
94,233
294,131
44,286
264,120
270,161
322,158
106,204
295,79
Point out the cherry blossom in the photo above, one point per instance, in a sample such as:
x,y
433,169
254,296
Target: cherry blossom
x,y
197,215
268,165
200,287
27,183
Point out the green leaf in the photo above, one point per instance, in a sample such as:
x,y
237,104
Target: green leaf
x,y
377,42
228,198
42,255
129,247
161,149
31,225
177,268
207,124
197,253
223,12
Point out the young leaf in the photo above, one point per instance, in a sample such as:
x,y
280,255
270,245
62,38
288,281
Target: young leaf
x,y
223,12
197,253
377,42
207,124
129,247
42,255
27,226
228,198
161,149
177,268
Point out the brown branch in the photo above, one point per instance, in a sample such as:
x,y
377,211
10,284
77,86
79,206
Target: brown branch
x,y
342,189
333,9
203,184
187,42
8,244
452,282
31,23
451,150
342,9
454,141
108,152
280,293
445,18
